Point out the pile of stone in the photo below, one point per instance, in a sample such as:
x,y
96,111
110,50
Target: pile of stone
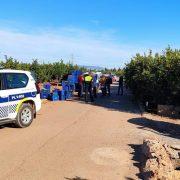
x,y
162,161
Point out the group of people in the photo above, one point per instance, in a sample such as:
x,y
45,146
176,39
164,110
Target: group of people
x,y
105,82
90,83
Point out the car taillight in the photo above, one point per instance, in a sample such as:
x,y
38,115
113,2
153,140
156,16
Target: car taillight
x,y
37,88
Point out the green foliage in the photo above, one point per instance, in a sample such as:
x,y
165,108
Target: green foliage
x,y
43,72
117,72
155,78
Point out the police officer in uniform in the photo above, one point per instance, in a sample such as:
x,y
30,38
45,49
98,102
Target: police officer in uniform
x,y
88,80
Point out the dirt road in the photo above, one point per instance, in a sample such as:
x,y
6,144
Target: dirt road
x,y
77,141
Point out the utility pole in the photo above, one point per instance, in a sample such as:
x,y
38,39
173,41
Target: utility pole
x,y
5,56
72,58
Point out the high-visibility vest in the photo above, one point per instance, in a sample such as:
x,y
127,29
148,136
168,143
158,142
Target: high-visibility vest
x,y
88,79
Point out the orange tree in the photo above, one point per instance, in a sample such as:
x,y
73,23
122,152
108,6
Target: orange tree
x,y
155,78
42,71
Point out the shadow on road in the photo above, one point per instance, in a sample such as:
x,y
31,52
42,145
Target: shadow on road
x,y
9,125
128,178
75,178
114,102
160,127
138,158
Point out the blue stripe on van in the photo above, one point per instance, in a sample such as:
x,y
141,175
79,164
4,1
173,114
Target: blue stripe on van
x,y
16,97
3,100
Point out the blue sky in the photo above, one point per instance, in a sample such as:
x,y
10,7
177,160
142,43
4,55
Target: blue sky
x,y
97,32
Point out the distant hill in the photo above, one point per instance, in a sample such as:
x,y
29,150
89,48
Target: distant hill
x,y
93,67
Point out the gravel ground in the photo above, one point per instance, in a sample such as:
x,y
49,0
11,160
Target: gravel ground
x,y
77,141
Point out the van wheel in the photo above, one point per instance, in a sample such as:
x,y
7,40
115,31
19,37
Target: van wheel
x,y
25,116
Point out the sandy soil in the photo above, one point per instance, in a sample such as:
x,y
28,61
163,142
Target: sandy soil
x,y
77,141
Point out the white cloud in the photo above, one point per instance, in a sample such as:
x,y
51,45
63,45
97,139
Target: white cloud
x,y
88,48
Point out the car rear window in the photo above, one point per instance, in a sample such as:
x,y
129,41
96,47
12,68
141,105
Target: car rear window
x,y
16,80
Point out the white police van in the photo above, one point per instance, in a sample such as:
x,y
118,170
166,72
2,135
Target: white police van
x,y
19,97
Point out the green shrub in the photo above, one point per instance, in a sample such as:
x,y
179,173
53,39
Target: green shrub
x,y
156,77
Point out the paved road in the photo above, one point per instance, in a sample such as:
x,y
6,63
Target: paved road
x,y
76,141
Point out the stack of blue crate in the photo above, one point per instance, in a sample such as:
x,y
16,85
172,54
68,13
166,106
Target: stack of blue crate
x,y
71,89
67,90
44,94
62,95
65,85
54,96
47,86
71,79
69,95
75,75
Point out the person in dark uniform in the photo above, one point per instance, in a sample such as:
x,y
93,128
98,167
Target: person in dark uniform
x,y
88,80
120,88
108,84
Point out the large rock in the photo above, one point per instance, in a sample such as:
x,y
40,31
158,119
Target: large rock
x,y
160,160
174,154
176,146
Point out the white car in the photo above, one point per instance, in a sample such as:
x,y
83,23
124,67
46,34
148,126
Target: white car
x,y
19,97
